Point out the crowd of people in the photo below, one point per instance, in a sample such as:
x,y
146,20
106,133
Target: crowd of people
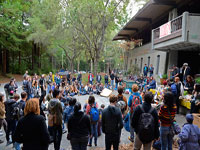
x,y
24,120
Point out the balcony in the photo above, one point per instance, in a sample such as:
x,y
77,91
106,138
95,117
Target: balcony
x,y
182,33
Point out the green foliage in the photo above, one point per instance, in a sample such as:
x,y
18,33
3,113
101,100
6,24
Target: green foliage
x,y
197,80
164,76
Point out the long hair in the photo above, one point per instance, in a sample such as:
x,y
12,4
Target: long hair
x,y
169,100
32,106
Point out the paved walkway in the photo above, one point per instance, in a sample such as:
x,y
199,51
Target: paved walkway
x,y
65,145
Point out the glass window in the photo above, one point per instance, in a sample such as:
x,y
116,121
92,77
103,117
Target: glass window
x,y
158,64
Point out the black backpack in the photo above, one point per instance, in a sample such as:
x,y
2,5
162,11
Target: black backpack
x,y
146,126
17,111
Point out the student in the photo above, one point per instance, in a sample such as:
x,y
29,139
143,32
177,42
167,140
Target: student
x,y
55,111
190,135
79,129
100,119
167,110
2,114
68,111
32,130
92,111
145,70
134,100
151,133
121,97
112,124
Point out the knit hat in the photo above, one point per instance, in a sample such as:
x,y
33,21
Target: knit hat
x,y
189,118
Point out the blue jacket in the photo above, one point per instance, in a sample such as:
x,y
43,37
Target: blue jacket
x,y
69,110
131,98
152,84
189,137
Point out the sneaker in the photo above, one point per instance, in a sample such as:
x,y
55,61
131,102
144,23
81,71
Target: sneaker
x,y
8,143
95,144
90,145
1,141
1,133
131,139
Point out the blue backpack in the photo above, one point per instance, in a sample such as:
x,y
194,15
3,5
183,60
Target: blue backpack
x,y
126,122
94,114
174,89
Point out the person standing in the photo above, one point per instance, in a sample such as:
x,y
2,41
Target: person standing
x,y
90,78
31,130
185,71
49,82
29,88
79,78
175,72
112,124
112,77
167,111
134,100
79,129
190,135
145,70
55,118
69,78
116,81
151,70
92,111
2,115
98,78
180,90
106,80
42,84
10,117
143,115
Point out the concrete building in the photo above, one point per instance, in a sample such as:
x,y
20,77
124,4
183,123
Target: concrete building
x,y
170,33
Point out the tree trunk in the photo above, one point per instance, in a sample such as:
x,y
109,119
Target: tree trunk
x,y
4,62
71,65
91,65
78,65
95,65
19,58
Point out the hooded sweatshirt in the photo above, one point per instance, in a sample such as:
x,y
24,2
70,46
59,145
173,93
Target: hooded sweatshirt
x,y
55,108
112,120
9,105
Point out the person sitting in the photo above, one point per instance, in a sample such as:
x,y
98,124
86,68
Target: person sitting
x,y
190,135
189,86
152,84
86,88
99,88
82,90
90,89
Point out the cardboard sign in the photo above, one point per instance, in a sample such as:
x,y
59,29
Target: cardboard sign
x,y
165,29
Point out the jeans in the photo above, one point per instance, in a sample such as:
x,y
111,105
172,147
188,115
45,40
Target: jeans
x,y
151,74
116,86
57,136
131,128
106,84
79,143
91,82
112,139
166,138
48,88
112,84
10,128
94,133
138,144
17,146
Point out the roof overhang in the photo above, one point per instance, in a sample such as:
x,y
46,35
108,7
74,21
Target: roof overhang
x,y
145,17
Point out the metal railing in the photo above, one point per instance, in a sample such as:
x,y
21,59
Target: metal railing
x,y
176,24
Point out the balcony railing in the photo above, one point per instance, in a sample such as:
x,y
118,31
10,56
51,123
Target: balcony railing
x,y
168,28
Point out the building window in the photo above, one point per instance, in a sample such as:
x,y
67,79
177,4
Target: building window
x,y
157,64
131,61
136,61
148,61
141,65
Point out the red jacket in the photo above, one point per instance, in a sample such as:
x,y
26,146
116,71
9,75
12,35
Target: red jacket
x,y
89,77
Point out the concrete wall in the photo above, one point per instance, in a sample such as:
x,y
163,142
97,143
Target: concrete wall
x,y
144,52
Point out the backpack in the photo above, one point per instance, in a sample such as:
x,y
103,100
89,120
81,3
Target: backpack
x,y
25,85
127,122
136,101
17,111
174,89
70,112
146,126
94,114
